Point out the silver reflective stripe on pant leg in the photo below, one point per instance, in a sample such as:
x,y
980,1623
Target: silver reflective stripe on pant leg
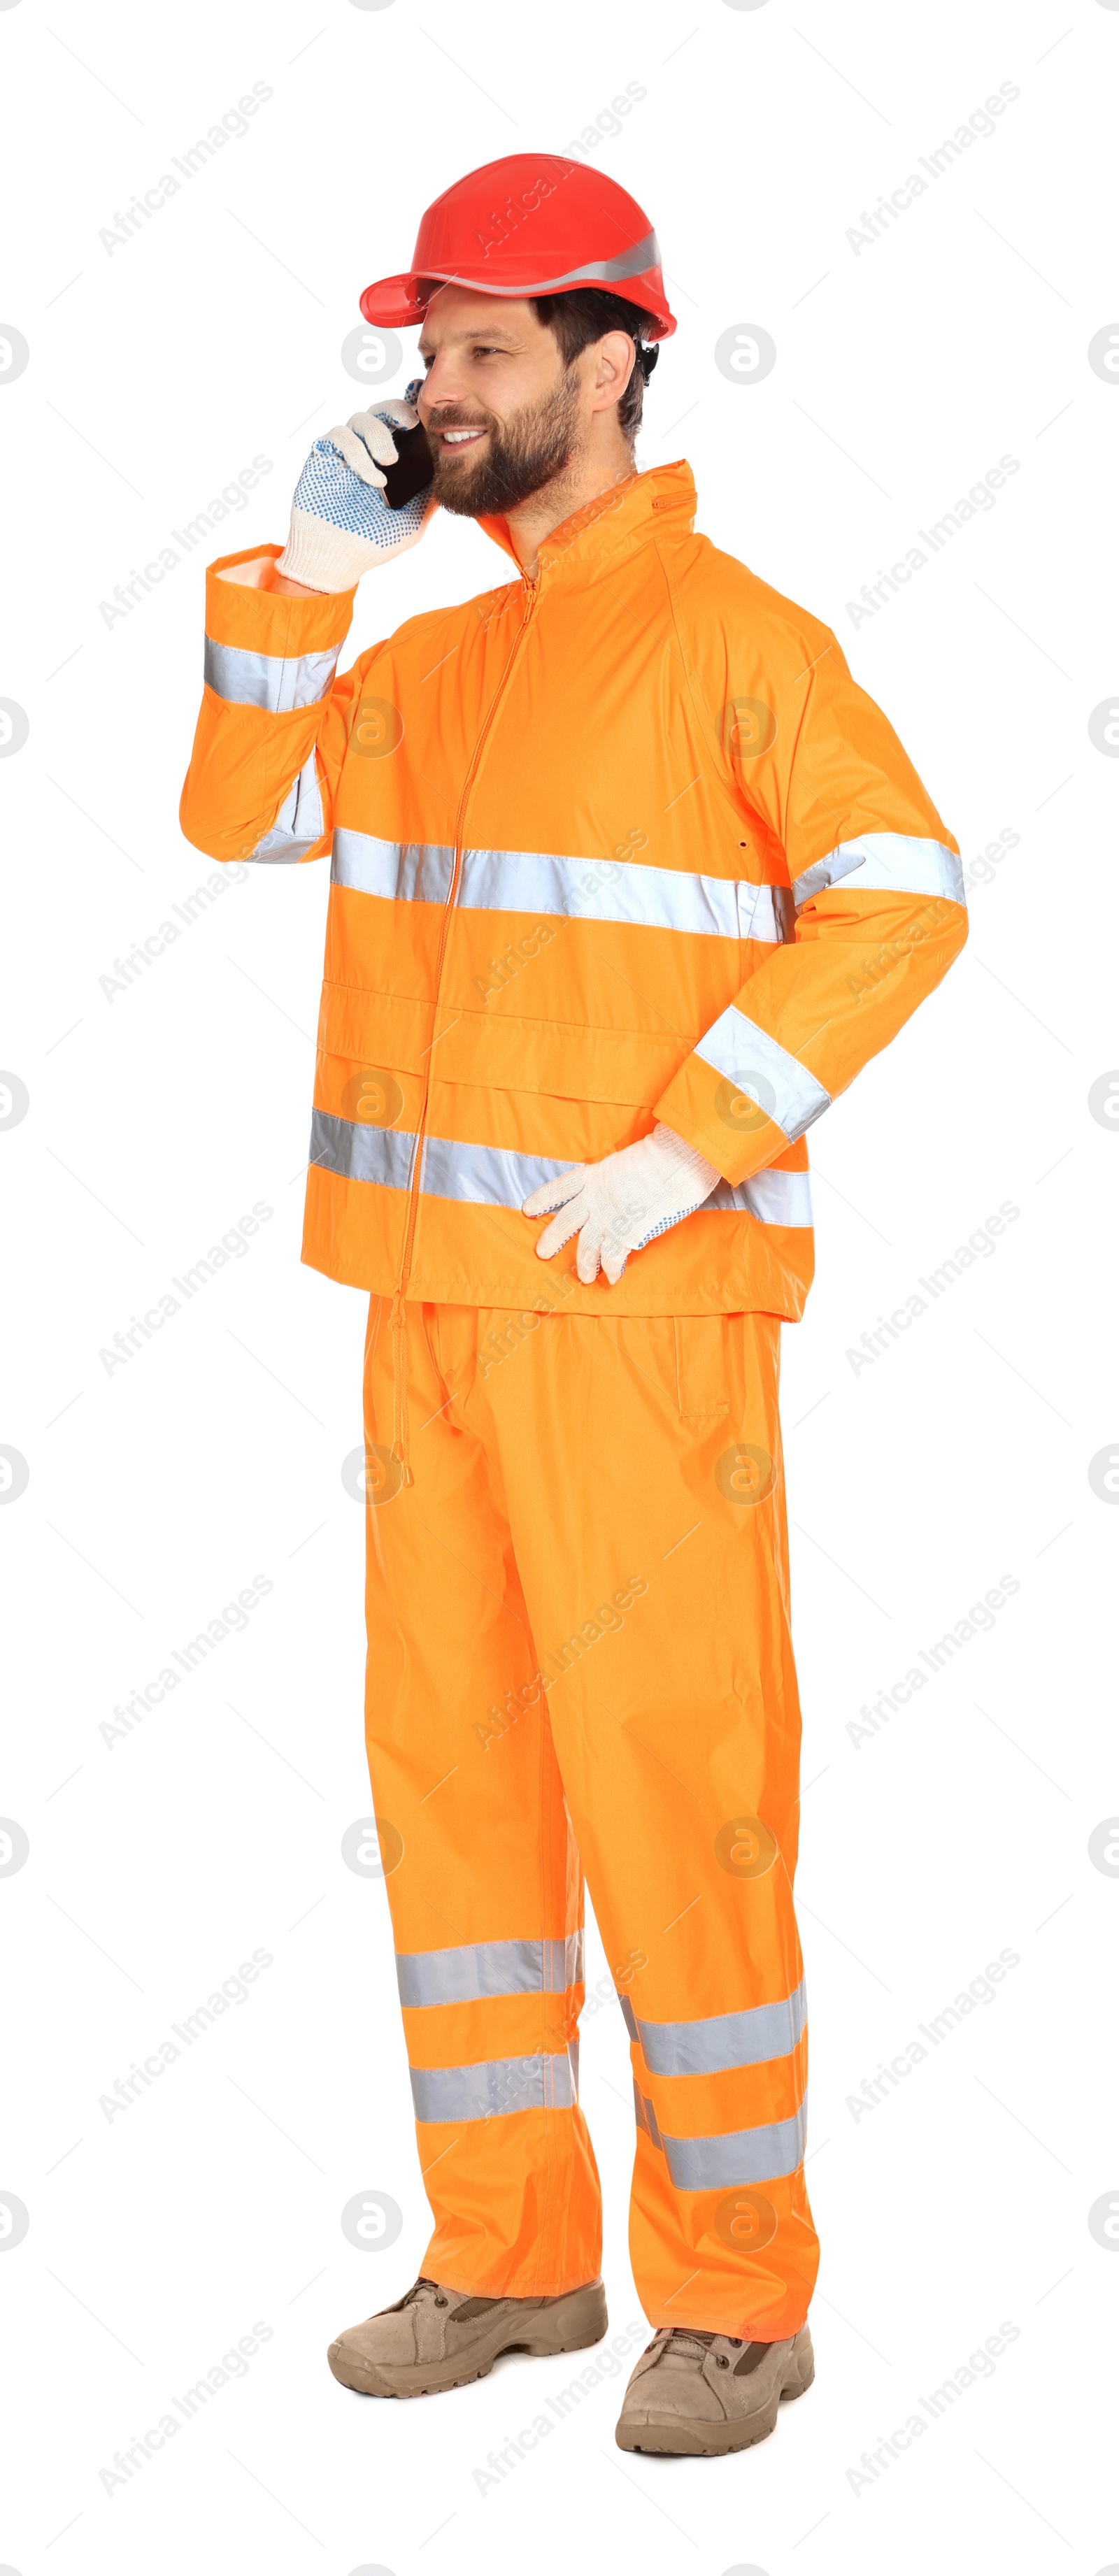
x,y
646,2117
499,2085
483,1968
765,2154
722,2041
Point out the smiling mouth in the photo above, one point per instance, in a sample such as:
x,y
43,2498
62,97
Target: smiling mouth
x,y
453,442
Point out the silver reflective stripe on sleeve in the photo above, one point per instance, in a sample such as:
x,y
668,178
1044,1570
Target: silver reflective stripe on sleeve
x,y
743,2156
482,1968
298,824
493,1176
723,2040
748,1056
540,882
886,863
399,871
500,2084
268,680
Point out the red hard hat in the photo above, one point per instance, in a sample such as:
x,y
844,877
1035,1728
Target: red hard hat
x,y
533,224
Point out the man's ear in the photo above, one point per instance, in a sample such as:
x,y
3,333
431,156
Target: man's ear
x,y
616,353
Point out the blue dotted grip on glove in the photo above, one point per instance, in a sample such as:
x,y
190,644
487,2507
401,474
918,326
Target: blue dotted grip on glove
x,y
328,489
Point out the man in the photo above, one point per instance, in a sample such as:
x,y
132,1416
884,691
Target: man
x,y
628,880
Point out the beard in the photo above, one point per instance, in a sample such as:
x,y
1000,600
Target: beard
x,y
530,449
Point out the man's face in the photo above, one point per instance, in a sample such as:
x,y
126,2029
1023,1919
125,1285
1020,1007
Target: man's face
x,y
503,415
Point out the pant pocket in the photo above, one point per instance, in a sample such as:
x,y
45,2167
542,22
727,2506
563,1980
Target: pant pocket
x,y
702,1367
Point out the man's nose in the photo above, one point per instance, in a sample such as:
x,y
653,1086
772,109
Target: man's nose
x,y
442,386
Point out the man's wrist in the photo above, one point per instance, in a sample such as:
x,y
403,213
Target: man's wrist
x,y
286,588
691,1159
321,557
262,574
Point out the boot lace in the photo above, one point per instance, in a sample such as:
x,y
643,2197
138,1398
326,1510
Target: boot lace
x,y
694,2341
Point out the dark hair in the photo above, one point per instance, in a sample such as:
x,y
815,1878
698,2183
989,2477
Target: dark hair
x,y
578,319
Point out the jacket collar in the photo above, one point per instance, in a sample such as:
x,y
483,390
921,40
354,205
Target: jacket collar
x,y
615,523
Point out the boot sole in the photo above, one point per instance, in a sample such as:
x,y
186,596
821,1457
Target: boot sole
x,y
697,2439
571,2325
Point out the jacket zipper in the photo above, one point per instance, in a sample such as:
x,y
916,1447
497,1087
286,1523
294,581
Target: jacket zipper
x,y
533,590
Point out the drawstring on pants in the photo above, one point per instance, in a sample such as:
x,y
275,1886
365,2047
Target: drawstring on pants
x,y
398,1327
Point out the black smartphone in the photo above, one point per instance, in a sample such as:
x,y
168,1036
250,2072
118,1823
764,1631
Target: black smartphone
x,y
413,468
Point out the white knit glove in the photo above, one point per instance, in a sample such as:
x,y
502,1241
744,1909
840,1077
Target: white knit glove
x,y
618,1205
340,521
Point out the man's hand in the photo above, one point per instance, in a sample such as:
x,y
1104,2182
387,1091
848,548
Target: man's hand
x,y
340,520
619,1204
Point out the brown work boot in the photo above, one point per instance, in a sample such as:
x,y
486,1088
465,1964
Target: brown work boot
x,y
435,2338
699,2392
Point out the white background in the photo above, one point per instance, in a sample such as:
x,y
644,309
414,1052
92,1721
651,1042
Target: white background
x,y
159,1116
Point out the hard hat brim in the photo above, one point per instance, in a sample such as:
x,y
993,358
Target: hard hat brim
x,y
398,302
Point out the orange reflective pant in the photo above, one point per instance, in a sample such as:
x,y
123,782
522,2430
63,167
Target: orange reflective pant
x,y
580,1659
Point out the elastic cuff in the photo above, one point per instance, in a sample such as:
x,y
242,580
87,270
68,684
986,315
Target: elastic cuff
x,y
321,557
722,1122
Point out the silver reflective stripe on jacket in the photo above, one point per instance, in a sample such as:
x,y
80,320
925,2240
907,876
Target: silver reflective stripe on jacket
x,y
617,890
360,1153
749,1057
499,2085
886,863
399,871
540,882
765,2154
268,680
487,1175
299,823
482,1968
494,1176
775,1198
721,2040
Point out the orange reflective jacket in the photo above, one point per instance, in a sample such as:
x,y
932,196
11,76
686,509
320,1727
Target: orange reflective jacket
x,y
623,843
